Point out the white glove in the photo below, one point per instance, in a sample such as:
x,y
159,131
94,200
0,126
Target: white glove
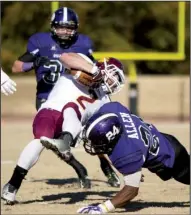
x,y
99,209
90,210
8,86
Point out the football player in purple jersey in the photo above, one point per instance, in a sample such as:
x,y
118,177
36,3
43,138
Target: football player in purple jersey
x,y
45,48
132,144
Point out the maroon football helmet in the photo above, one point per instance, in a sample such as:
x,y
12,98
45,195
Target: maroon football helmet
x,y
113,72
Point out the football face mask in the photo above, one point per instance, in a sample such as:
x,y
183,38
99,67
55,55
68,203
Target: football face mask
x,y
64,32
64,24
114,78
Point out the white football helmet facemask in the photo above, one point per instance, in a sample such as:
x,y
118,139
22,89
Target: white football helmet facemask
x,y
114,78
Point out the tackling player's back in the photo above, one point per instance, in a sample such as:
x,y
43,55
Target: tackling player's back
x,y
140,144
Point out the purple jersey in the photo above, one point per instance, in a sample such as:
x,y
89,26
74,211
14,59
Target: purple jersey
x,y
42,44
140,145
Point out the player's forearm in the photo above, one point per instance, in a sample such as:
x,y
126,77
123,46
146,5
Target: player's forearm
x,y
124,196
120,200
129,191
20,66
75,61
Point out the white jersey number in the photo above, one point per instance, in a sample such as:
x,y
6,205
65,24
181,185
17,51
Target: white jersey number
x,y
51,77
111,134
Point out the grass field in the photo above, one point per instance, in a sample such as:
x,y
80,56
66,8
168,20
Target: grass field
x,y
51,188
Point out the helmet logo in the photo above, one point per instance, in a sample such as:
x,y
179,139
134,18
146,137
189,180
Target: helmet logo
x,y
111,134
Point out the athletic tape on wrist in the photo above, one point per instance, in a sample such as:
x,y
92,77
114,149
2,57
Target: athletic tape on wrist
x,y
107,206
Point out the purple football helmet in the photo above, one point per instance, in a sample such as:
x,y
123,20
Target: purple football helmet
x,y
101,133
64,24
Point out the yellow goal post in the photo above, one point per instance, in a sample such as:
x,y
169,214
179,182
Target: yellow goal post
x,y
131,57
139,56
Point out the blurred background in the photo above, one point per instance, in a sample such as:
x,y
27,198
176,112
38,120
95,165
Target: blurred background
x,y
151,38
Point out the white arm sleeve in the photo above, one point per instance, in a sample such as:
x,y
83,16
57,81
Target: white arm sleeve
x,y
133,180
4,77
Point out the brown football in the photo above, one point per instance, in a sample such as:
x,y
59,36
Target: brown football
x,y
82,77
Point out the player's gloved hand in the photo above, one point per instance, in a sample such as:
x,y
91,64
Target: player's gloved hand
x,y
40,61
98,75
90,210
8,87
97,72
103,208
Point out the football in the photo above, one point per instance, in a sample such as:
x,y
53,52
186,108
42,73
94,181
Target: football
x,y
82,77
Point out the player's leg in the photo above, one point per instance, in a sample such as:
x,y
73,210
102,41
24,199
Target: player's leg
x,y
27,159
181,167
43,125
108,171
71,127
81,171
182,172
61,147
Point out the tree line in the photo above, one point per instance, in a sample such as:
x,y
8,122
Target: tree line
x,y
113,26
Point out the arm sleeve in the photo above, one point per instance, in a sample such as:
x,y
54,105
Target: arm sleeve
x,y
27,57
133,179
